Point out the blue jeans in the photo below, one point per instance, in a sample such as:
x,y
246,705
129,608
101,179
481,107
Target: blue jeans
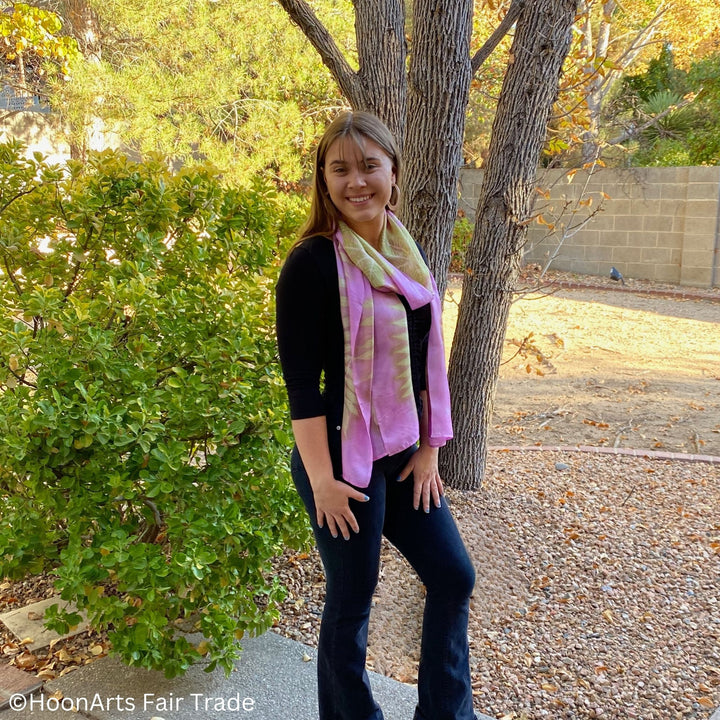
x,y
432,545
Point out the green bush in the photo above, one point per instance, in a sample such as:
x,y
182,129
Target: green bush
x,y
462,235
144,451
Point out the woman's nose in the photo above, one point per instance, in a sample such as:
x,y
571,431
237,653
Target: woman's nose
x,y
357,178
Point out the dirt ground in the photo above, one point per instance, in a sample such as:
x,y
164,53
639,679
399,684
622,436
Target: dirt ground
x,y
619,369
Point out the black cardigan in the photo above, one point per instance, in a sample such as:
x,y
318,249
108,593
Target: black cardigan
x,y
311,342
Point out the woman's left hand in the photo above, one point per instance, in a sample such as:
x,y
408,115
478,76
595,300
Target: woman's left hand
x,y
428,484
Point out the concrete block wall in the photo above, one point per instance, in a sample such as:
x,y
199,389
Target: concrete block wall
x,y
660,224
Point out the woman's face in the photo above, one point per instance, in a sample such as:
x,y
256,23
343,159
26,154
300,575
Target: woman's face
x,y
360,184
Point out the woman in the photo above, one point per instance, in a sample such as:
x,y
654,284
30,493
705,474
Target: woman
x,y
360,341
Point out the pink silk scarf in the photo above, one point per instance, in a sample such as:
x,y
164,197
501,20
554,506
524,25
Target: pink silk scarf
x,y
379,412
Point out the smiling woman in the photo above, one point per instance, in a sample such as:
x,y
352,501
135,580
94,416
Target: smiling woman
x,y
358,307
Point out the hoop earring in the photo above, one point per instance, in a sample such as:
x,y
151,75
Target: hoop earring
x,y
394,195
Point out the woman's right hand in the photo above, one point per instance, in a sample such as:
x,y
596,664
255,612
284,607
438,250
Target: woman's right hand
x,y
333,507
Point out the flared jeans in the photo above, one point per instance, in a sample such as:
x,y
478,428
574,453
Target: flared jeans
x,y
433,547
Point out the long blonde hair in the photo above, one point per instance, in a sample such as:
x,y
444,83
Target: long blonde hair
x,y
359,126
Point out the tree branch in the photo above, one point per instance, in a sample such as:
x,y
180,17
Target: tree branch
x,y
633,131
303,16
17,197
12,277
501,31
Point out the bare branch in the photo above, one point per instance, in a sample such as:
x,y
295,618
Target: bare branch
x,y
20,379
501,31
633,131
643,36
303,16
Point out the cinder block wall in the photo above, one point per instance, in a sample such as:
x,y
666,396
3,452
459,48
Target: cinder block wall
x,y
660,224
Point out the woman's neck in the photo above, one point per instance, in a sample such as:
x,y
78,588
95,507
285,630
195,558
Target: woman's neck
x,y
371,232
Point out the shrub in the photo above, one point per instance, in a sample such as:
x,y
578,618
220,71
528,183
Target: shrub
x,y
462,235
141,407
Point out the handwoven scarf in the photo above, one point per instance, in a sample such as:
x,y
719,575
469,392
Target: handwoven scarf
x,y
379,413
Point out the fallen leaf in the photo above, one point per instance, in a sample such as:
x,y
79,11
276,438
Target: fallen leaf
x,y
596,423
608,615
203,647
64,656
25,661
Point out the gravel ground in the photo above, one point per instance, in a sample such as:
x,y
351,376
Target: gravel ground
x,y
598,591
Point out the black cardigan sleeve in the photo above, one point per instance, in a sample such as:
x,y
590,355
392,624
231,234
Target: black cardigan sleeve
x,y
302,308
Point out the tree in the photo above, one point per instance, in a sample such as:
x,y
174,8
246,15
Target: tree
x,y
606,59
681,133
542,39
223,82
486,82
615,39
142,413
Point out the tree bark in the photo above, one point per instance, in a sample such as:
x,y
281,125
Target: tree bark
x,y
82,24
438,89
382,54
379,86
542,40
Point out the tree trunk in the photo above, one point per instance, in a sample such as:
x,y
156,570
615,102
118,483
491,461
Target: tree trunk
x,y
82,23
542,40
438,88
382,52
379,86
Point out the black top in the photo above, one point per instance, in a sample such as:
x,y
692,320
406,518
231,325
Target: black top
x,y
311,341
